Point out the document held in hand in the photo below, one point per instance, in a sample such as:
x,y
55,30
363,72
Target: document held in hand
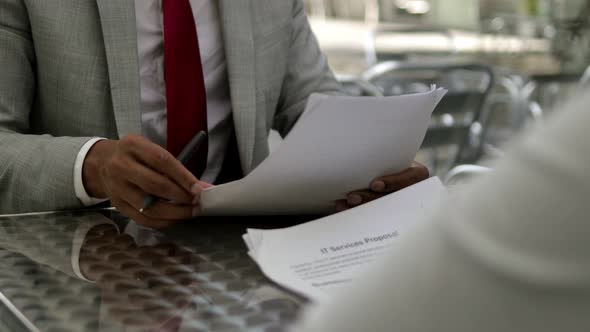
x,y
340,144
323,256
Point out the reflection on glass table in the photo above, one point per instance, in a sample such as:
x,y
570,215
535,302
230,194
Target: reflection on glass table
x,y
88,271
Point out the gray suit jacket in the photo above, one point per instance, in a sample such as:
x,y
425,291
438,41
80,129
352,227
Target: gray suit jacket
x,y
70,72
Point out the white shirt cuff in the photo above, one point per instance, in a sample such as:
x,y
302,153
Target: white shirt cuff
x,y
81,193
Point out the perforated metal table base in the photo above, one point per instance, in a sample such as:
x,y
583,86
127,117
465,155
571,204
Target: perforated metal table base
x,y
89,271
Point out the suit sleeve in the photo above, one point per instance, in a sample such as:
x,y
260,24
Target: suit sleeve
x,y
36,171
308,73
510,255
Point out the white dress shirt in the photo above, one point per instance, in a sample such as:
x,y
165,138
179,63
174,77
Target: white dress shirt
x,y
150,42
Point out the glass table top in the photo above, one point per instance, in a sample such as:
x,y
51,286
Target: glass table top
x,y
96,271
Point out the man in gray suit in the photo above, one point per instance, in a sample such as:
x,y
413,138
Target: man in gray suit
x,y
88,113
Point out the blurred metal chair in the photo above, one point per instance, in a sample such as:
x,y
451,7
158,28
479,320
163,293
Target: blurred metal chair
x,y
462,173
513,105
457,120
520,90
355,86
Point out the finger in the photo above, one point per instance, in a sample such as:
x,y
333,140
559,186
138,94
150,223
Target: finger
x,y
341,205
168,211
151,182
140,219
361,197
160,160
160,210
391,183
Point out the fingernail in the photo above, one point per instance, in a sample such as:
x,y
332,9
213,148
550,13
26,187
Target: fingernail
x,y
205,185
378,186
355,200
196,189
196,211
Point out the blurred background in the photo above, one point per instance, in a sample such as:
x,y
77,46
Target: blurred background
x,y
507,64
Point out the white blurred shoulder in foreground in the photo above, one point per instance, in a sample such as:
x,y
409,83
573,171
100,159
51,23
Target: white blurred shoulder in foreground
x,y
513,255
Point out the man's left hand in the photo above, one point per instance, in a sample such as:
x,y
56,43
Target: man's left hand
x,y
384,186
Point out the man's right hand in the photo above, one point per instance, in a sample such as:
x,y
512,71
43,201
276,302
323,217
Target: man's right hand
x,y
127,170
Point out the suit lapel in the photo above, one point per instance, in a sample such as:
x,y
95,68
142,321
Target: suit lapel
x,y
120,37
239,49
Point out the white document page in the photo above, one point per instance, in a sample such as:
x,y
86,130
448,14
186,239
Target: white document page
x,y
320,257
340,144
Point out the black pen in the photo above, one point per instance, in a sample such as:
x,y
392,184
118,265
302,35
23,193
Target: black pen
x,y
184,157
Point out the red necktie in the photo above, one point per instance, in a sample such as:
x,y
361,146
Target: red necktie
x,y
186,98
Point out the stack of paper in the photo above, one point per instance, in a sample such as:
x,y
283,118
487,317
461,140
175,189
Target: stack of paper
x,y
320,257
340,144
